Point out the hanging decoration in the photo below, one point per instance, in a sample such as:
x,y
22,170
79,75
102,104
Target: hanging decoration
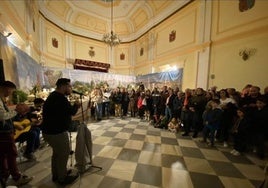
x,y
141,52
122,56
55,42
245,5
91,52
172,36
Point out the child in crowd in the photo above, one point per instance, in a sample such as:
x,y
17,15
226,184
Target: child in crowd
x,y
212,119
174,125
205,116
147,115
162,122
240,132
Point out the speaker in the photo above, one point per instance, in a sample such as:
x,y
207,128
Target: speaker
x,y
2,72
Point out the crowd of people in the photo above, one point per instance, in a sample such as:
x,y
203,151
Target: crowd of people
x,y
227,115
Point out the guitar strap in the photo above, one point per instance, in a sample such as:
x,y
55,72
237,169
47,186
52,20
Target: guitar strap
x,y
6,124
4,104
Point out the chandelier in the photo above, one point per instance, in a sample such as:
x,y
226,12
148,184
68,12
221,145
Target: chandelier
x,y
112,39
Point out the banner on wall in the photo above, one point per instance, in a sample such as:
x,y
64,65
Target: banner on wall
x,y
171,79
28,70
29,74
51,75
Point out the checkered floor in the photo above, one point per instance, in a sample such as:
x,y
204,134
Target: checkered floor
x,y
134,154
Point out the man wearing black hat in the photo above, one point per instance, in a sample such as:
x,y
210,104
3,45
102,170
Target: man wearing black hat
x,y
57,117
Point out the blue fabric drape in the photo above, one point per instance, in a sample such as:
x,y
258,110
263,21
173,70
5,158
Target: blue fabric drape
x,y
28,70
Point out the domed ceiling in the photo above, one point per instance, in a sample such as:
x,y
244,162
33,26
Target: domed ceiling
x,y
92,18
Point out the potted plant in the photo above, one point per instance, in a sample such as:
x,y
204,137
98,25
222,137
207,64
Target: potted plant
x,y
19,96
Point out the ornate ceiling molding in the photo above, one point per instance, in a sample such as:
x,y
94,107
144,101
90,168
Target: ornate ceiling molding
x,y
77,20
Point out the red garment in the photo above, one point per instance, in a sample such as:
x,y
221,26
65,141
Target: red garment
x,y
140,102
8,155
185,102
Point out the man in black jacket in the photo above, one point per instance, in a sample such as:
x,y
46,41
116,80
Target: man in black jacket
x,y
57,117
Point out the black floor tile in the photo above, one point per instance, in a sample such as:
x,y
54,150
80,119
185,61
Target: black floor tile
x,y
170,141
169,160
137,137
117,142
109,133
153,132
105,163
205,181
127,130
237,159
225,169
192,152
142,127
109,182
147,174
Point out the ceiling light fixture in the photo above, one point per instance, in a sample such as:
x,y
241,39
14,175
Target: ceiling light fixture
x,y
112,39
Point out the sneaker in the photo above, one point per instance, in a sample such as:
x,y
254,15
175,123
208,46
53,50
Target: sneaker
x,y
43,145
236,153
29,156
68,180
232,151
23,180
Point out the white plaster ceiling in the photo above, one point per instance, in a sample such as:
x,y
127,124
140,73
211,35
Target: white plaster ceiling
x,y
92,18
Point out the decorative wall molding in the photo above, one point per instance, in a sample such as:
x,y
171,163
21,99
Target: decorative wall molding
x,y
91,65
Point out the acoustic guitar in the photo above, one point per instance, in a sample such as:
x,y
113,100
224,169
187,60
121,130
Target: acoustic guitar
x,y
26,123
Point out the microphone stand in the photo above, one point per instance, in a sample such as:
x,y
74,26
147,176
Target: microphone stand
x,y
71,151
82,110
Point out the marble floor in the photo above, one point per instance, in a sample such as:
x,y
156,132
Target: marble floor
x,y
134,154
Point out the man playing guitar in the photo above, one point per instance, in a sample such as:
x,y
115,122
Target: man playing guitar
x,y
26,124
